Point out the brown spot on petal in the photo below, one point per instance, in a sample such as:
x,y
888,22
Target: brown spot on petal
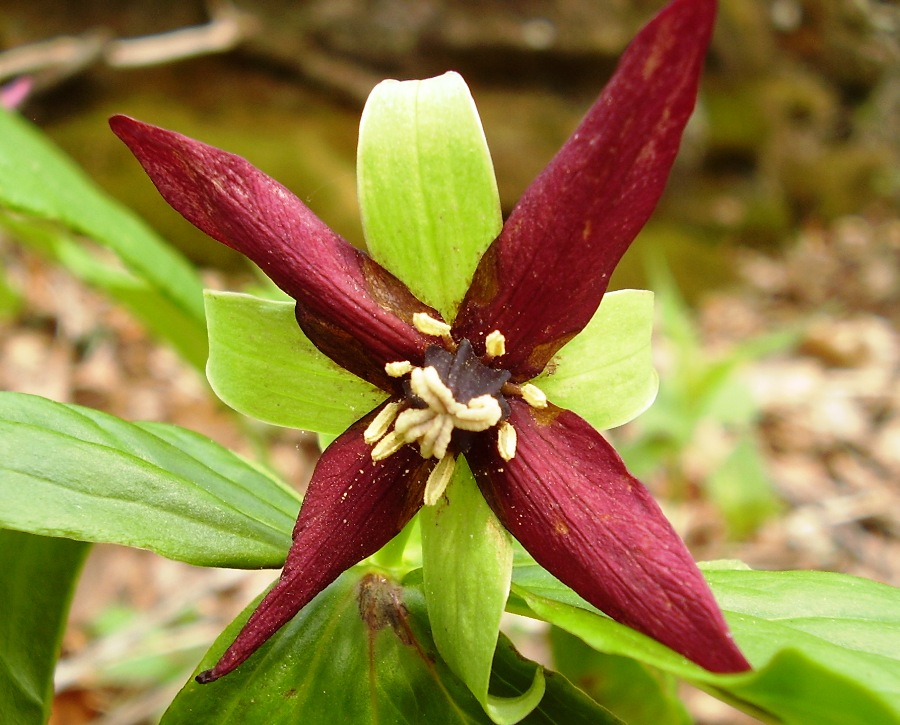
x,y
484,288
545,416
391,294
540,353
337,343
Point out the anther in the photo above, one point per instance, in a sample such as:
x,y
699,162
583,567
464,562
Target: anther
x,y
398,369
534,396
428,325
438,479
379,426
388,446
506,441
495,344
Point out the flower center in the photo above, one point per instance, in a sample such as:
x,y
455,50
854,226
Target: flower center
x,y
453,396
451,392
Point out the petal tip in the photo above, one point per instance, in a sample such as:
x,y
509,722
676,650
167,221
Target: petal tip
x,y
207,676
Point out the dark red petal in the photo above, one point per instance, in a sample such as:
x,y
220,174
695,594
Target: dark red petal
x,y
352,508
567,497
355,311
542,279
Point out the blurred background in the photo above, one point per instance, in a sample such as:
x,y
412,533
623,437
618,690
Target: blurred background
x,y
774,256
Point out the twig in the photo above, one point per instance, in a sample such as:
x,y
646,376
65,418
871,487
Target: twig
x,y
49,62
227,28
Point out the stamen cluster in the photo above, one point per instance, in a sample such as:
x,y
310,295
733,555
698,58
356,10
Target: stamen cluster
x,y
452,395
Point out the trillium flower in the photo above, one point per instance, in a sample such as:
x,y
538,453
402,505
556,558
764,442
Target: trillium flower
x,y
456,381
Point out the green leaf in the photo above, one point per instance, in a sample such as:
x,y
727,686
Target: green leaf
x,y
605,373
467,563
352,658
39,181
826,646
159,314
427,192
639,694
37,578
261,364
75,472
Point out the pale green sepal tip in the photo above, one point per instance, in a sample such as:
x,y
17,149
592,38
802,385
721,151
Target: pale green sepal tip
x,y
427,192
605,374
262,365
510,710
467,565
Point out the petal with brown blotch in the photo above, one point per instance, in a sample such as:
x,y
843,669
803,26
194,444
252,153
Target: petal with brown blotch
x,y
542,279
352,508
352,309
569,500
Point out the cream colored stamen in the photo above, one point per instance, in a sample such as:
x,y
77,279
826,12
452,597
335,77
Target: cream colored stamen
x,y
534,396
506,441
387,446
438,479
398,369
379,426
431,427
427,325
495,344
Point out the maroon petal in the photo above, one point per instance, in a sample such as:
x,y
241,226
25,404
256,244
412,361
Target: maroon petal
x,y
567,497
542,279
355,311
352,508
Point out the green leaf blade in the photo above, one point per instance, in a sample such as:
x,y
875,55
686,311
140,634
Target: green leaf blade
x,y
824,645
162,317
37,578
73,472
39,181
341,660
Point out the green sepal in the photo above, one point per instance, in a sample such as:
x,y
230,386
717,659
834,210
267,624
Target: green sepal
x,y
427,192
606,373
261,364
467,564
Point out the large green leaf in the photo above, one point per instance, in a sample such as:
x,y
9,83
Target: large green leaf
x,y
605,373
826,647
637,693
361,652
467,561
39,181
37,578
427,192
74,472
261,364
